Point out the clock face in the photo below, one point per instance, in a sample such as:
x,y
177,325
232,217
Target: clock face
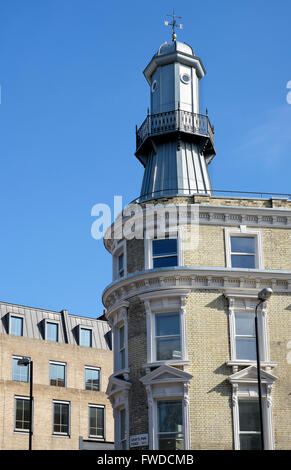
x,y
185,78
154,86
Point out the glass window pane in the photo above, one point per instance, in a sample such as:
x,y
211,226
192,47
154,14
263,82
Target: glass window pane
x,y
96,421
16,325
92,379
52,331
168,348
165,262
242,244
61,418
250,442
86,337
166,246
19,373
122,359
246,349
167,324
245,324
249,415
22,414
121,337
57,375
243,261
170,416
171,442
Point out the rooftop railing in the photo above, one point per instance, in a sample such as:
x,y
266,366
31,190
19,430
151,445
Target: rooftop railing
x,y
172,121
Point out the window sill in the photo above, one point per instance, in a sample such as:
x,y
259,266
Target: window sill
x,y
237,363
172,362
66,436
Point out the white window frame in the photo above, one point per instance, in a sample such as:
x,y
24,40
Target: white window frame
x,y
90,436
19,430
249,432
54,322
174,387
117,252
168,301
62,434
96,369
118,318
243,231
243,302
85,327
168,336
21,317
58,363
148,248
28,369
244,386
156,419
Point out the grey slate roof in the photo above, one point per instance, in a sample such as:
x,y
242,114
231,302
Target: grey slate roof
x,y
34,324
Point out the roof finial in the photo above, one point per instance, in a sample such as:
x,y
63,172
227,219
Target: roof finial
x,y
174,24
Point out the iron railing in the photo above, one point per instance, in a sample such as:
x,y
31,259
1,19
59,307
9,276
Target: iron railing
x,y
171,121
212,192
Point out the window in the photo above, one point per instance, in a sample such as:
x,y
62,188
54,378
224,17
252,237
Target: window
x,y
85,337
52,332
243,252
243,248
121,343
19,373
249,425
119,261
122,429
165,252
92,379
61,414
57,374
167,336
16,326
96,421
245,336
22,420
170,434
121,265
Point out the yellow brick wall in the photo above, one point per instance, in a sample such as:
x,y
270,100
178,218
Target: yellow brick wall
x,y
279,327
211,248
41,352
210,391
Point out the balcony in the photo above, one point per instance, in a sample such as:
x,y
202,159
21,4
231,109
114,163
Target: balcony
x,y
176,121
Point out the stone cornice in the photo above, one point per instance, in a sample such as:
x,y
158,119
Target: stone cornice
x,y
221,215
221,279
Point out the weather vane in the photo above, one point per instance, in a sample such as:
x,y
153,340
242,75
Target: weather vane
x,y
174,24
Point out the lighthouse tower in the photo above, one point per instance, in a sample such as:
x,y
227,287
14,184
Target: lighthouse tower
x,y
183,314
175,143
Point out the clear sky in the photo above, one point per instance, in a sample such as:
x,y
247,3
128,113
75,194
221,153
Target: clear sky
x,y
72,91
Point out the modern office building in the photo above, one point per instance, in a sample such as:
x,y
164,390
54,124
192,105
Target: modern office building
x,y
188,265
72,360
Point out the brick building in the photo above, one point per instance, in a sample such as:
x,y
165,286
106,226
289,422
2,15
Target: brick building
x,y
185,289
72,361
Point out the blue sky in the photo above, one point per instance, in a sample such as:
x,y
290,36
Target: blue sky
x,y
72,91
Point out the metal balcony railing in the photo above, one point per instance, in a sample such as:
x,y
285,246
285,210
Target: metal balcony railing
x,y
171,121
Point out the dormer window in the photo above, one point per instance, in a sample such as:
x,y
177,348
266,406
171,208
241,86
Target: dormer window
x,y
86,337
52,332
